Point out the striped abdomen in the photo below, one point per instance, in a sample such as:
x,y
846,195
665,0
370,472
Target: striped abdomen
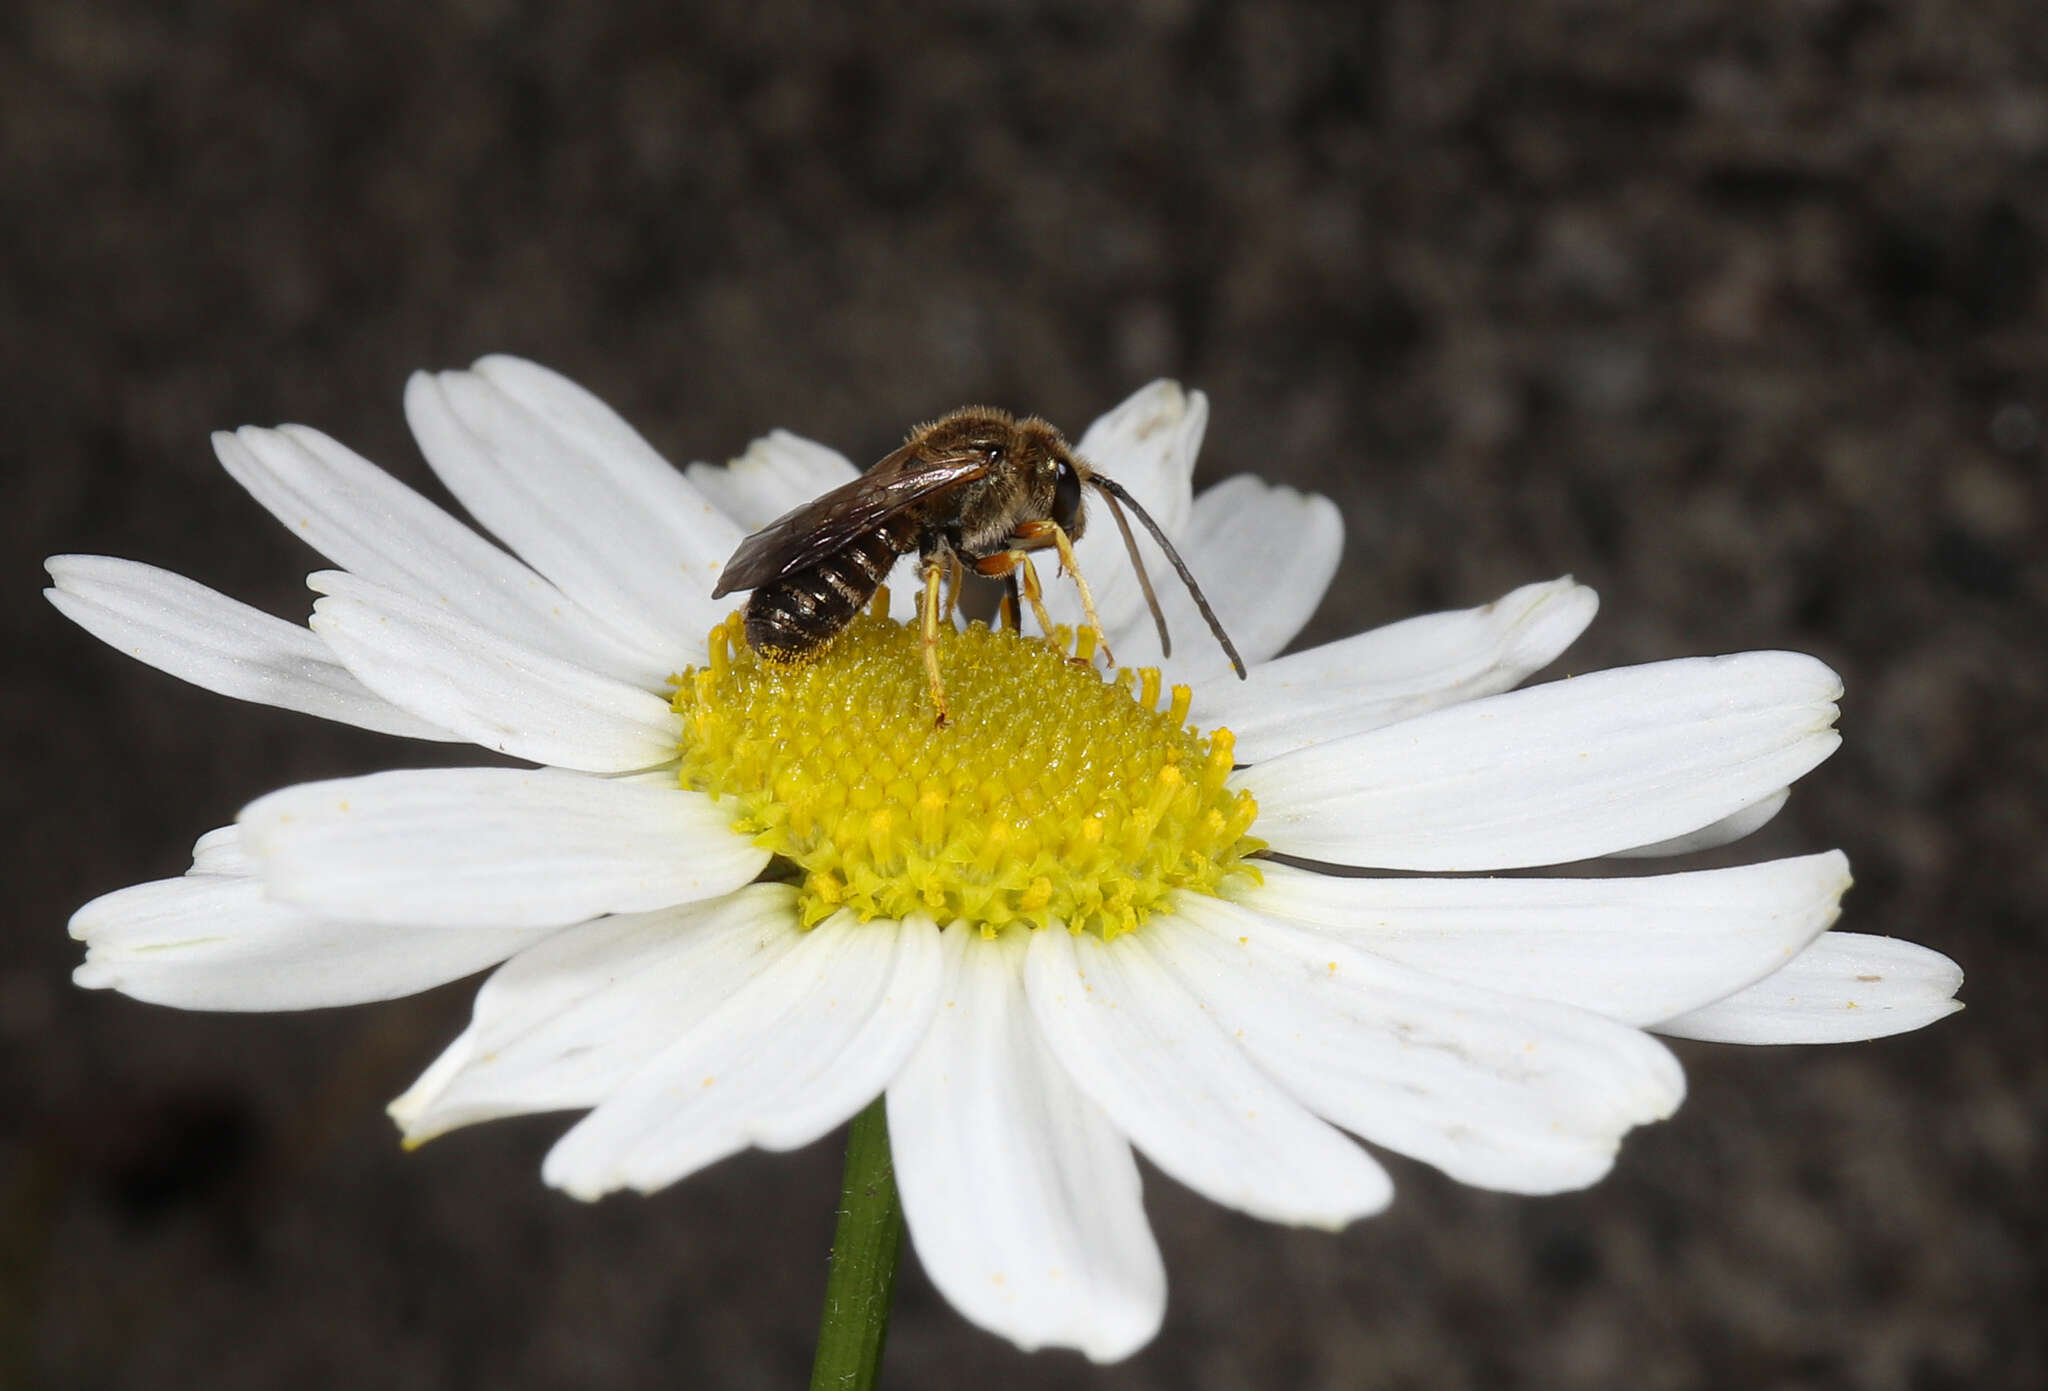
x,y
794,616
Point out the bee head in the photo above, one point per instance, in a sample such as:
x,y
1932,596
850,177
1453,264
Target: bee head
x,y
1043,455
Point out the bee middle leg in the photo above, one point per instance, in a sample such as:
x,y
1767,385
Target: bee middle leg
x,y
1011,614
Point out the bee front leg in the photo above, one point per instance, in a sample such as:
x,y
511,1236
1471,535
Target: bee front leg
x,y
1036,535
1007,565
928,611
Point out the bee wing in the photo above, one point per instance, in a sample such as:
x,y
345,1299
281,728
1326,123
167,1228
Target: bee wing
x,y
829,523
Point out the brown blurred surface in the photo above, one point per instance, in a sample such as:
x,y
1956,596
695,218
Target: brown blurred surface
x,y
1739,312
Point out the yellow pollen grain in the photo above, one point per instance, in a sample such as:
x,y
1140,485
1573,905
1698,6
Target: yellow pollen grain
x,y
1051,795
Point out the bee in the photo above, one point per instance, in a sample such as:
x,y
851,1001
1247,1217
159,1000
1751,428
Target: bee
x,y
974,489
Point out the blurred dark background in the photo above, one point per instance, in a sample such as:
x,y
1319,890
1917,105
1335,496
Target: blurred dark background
x,y
1737,311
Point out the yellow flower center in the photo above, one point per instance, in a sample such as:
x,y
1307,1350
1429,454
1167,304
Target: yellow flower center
x,y
1051,795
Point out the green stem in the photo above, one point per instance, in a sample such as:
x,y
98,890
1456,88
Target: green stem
x,y
862,1282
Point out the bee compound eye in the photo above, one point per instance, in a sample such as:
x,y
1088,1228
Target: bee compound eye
x,y
1066,497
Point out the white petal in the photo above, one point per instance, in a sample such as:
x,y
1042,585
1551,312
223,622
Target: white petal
x,y
580,504
779,473
1265,554
1728,829
220,851
202,636
691,531
1557,772
372,525
209,941
1162,1066
792,1053
565,1024
1148,444
492,690
1517,1095
1396,672
492,846
1636,950
1023,1201
1844,988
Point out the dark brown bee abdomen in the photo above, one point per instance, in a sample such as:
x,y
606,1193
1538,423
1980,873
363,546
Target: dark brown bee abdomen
x,y
795,616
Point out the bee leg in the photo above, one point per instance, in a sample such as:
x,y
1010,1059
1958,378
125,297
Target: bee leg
x,y
1011,614
1006,565
1035,534
1034,593
956,573
928,610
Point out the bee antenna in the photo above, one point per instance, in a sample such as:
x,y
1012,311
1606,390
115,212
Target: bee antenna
x,y
1114,492
1123,525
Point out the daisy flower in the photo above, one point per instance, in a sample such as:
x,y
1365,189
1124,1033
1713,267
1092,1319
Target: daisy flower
x,y
734,902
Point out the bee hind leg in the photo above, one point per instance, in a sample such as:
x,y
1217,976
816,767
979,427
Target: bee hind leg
x,y
956,576
928,613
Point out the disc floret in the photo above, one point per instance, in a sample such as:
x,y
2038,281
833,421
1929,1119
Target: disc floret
x,y
1052,795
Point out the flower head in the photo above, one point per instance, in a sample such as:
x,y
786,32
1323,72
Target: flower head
x,y
737,900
